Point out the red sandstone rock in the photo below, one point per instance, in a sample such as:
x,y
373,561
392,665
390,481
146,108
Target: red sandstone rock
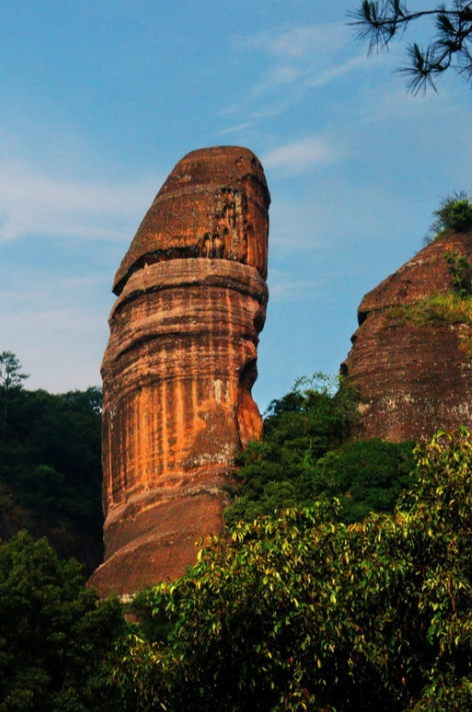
x,y
213,204
180,365
413,378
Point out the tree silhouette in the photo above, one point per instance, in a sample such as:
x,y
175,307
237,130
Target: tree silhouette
x,y
10,380
378,22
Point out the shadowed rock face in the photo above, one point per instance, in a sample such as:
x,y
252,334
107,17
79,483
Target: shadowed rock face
x,y
412,369
180,365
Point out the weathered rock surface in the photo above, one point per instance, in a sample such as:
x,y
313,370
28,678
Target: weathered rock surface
x,y
180,365
413,376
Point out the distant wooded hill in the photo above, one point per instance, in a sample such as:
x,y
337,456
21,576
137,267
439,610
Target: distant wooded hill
x,y
50,466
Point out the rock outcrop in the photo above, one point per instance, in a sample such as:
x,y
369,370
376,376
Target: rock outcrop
x,y
180,365
411,355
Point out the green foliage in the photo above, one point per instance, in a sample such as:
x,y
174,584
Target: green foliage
x,y
313,417
459,270
365,476
436,310
50,468
453,215
10,367
304,455
379,21
454,306
54,633
298,612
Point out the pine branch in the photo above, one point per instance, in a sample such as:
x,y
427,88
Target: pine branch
x,y
380,21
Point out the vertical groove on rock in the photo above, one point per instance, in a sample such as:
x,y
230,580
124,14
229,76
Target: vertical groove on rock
x,y
180,365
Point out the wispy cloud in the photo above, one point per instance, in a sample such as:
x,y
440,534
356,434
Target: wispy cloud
x,y
35,203
328,74
297,41
283,289
282,75
56,329
297,157
310,55
294,60
237,129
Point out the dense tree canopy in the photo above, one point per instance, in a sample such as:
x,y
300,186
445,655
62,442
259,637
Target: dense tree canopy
x,y
380,21
298,612
50,465
306,452
54,633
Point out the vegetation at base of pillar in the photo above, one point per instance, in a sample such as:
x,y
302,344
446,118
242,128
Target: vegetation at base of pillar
x,y
54,634
301,612
379,22
306,452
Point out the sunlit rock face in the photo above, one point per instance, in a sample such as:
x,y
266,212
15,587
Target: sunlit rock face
x,y
180,364
410,362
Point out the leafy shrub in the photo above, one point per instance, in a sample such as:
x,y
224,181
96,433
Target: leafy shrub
x,y
315,415
459,270
453,215
365,476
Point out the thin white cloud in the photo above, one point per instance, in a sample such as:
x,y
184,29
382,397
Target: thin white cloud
x,y
284,74
327,75
33,203
295,60
283,289
57,326
297,41
237,129
297,157
61,348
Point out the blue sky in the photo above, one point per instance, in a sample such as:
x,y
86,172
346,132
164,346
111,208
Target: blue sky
x,y
101,98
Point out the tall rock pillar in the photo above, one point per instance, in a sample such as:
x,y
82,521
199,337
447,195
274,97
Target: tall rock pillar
x,y
180,365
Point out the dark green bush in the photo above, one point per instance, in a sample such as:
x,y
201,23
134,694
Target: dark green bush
x,y
54,634
50,466
453,215
305,454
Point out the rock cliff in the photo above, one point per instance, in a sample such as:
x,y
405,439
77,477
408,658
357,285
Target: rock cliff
x,y
411,355
180,364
